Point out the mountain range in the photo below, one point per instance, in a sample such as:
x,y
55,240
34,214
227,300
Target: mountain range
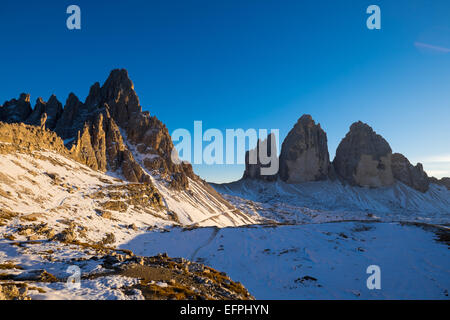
x,y
92,184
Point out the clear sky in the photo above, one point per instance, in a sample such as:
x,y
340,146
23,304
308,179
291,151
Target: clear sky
x,y
248,64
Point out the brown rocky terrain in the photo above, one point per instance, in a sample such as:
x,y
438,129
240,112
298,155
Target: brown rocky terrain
x,y
152,278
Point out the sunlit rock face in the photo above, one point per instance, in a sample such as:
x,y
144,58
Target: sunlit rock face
x,y
304,154
364,158
109,131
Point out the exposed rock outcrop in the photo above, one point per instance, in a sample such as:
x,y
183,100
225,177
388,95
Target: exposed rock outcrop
x,y
107,130
14,111
304,154
364,158
101,131
118,93
73,118
441,182
101,147
146,133
255,166
412,176
19,136
53,109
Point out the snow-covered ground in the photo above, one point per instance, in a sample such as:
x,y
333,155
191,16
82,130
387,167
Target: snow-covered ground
x,y
282,262
47,187
325,201
31,258
282,242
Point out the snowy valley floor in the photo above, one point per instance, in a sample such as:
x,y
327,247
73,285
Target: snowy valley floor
x,y
316,261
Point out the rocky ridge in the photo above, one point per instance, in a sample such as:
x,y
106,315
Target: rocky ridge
x,y
363,158
101,131
413,176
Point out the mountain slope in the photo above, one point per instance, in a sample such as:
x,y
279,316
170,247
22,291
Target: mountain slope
x,y
110,134
334,201
57,214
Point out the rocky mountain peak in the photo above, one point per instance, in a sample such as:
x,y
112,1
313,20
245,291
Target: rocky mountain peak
x,y
14,111
72,118
118,93
306,120
119,79
107,131
24,97
269,150
72,100
364,157
412,176
52,109
94,97
304,153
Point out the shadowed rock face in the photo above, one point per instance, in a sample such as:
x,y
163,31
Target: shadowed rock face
x,y
304,153
53,108
256,169
412,176
118,93
14,111
72,120
364,158
118,101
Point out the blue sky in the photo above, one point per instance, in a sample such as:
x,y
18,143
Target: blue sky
x,y
248,64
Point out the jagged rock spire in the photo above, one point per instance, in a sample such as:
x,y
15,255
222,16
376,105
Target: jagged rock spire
x,y
304,153
72,119
253,169
118,93
16,110
364,158
94,129
53,109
